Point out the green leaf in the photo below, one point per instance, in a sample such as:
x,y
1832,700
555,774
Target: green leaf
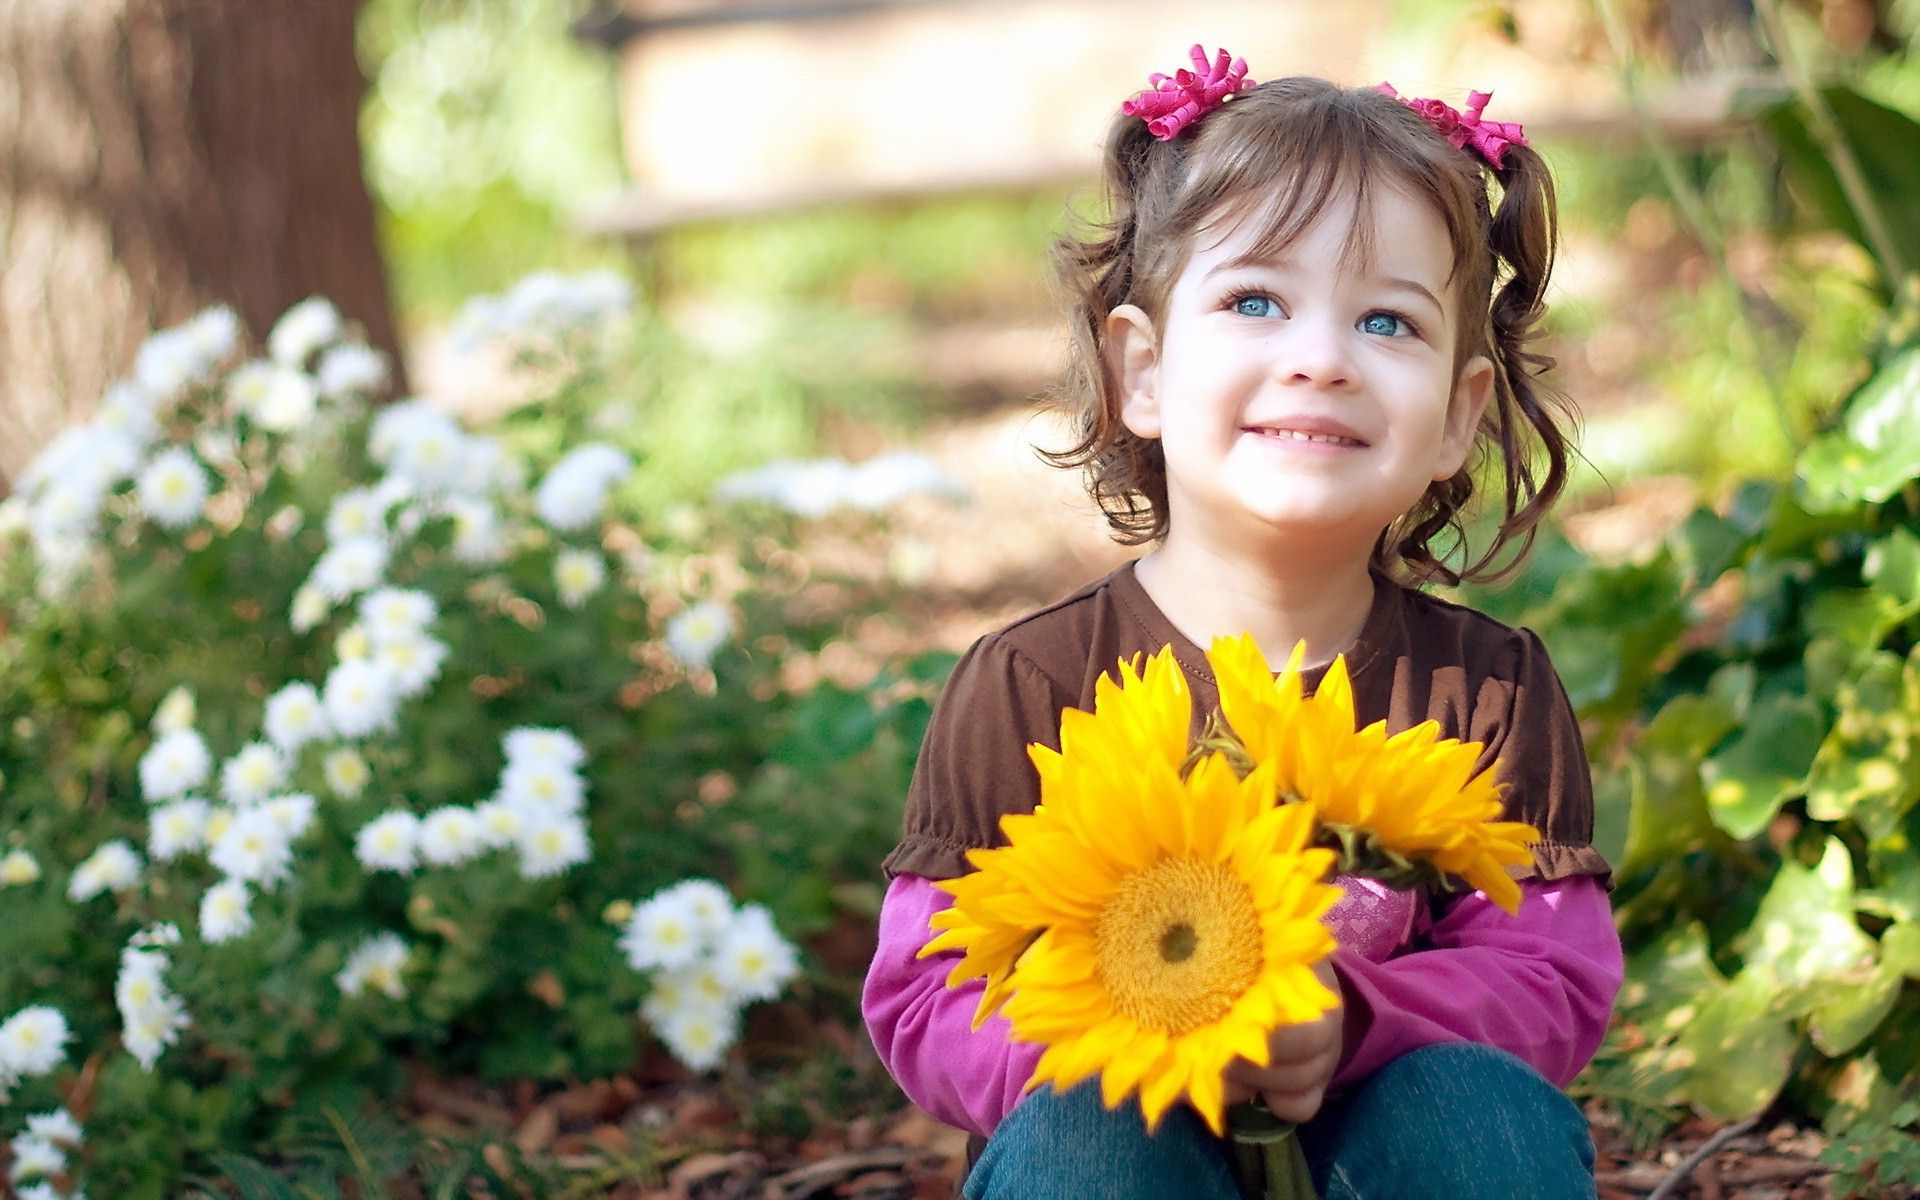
x,y
1849,1006
1877,449
1900,948
1884,142
1738,1048
1667,810
1805,930
1893,565
1706,544
1747,782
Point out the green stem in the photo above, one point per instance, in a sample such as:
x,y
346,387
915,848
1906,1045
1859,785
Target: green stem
x,y
1694,213
1846,166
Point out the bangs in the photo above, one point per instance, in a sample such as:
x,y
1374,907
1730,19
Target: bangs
x,y
1280,175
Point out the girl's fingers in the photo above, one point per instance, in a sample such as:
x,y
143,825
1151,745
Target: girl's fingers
x,y
1299,1108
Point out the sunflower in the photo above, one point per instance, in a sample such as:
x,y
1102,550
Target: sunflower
x,y
1140,924
1413,796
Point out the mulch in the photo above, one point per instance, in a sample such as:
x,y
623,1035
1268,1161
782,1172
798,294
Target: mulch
x,y
682,1139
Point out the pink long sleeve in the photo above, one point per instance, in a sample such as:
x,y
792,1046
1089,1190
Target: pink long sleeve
x,y
1539,984
922,1029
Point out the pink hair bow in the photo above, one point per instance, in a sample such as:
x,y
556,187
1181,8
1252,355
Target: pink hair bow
x,y
1489,139
1176,101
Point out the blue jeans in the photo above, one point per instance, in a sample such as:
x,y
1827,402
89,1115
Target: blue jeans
x,y
1455,1121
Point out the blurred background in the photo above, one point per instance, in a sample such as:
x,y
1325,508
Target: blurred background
x,y
825,223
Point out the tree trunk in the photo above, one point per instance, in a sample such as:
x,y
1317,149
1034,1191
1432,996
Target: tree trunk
x,y
158,156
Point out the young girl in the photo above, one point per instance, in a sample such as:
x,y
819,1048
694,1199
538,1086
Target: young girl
x,y
1306,319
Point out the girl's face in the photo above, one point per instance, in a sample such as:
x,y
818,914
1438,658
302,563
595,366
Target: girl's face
x,y
1251,349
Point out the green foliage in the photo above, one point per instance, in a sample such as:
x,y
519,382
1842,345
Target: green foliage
x,y
1755,684
741,767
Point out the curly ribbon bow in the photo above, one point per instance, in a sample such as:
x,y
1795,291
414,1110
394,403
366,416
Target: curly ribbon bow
x,y
1489,139
1176,101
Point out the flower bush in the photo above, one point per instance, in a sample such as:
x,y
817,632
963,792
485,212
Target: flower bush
x,y
336,734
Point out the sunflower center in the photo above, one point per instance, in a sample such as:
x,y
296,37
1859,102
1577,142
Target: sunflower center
x,y
1178,943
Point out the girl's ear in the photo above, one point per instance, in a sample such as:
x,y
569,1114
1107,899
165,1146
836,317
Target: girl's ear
x,y
1133,355
1469,404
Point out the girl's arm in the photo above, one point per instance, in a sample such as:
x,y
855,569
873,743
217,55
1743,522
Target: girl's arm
x,y
923,1029
1539,984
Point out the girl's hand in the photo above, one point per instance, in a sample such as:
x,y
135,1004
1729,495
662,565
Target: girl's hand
x,y
1301,1061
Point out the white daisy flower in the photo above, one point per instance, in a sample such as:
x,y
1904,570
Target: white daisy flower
x,y
293,813
174,764
42,1190
542,786
451,834
664,932
295,716
351,369
277,397
57,1127
308,326
394,423
412,663
128,411
710,904
880,483
213,334
549,843
486,466
578,574
389,842
346,771
115,866
695,633
752,959
33,1157
177,827
173,489
477,536
18,867
176,711
249,776
33,1041
218,822
500,823
700,1037
310,606
432,456
394,614
574,491
152,1029
376,962
360,698
353,644
224,912
254,848
361,512
350,566
529,744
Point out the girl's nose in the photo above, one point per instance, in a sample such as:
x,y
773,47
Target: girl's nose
x,y
1314,353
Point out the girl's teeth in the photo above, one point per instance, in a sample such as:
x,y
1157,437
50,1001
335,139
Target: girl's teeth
x,y
1315,437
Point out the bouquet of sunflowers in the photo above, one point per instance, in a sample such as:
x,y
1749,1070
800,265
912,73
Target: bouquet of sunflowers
x,y
1159,914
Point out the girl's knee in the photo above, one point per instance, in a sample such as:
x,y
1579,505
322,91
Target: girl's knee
x,y
1461,1119
1069,1144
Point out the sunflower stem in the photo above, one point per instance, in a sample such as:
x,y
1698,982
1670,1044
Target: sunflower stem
x,y
1269,1162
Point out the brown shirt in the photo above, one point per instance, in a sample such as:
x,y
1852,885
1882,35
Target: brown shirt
x,y
1418,657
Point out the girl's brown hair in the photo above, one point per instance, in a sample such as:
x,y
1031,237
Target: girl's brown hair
x,y
1282,150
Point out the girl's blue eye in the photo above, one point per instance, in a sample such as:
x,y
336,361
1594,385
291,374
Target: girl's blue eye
x,y
1384,324
1240,305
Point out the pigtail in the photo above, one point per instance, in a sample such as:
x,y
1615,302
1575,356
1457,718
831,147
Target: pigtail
x,y
1524,237
1125,474
1525,414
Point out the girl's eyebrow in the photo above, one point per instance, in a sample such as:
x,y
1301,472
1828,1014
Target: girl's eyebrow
x,y
1281,266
